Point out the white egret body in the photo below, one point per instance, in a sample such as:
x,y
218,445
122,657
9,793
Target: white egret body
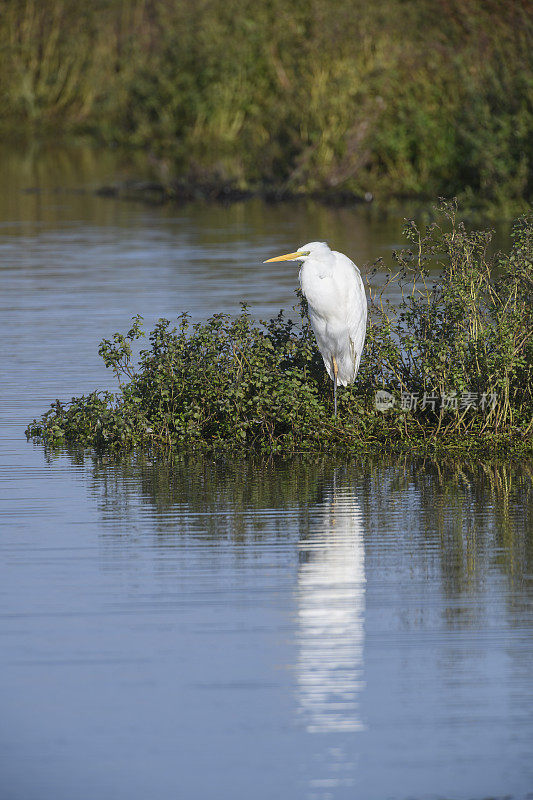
x,y
333,288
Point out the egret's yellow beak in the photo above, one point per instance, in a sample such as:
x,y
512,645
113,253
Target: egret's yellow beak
x,y
288,257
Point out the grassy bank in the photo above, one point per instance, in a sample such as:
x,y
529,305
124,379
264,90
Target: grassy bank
x,y
390,98
453,363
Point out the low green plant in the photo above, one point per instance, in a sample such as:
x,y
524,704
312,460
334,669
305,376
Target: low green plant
x,y
469,332
235,384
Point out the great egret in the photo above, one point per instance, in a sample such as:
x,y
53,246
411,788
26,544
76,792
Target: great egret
x,y
335,294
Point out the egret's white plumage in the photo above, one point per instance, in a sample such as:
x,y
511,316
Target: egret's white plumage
x,y
335,294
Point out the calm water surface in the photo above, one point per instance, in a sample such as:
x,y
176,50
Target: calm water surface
x,y
234,630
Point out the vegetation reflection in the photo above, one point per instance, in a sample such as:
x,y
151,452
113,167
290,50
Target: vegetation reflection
x,y
463,519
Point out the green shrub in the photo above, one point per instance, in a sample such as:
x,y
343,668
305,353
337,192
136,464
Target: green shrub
x,y
234,384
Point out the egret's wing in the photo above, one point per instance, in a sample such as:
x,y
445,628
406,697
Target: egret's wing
x,y
355,315
357,322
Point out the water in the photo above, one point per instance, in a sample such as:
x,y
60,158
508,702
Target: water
x,y
219,629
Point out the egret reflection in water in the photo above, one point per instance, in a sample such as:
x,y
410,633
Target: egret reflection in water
x,y
331,604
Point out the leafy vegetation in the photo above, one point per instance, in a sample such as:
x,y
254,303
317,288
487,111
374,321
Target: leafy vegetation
x,y
390,98
237,385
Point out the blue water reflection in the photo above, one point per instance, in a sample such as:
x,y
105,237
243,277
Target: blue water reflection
x,y
303,630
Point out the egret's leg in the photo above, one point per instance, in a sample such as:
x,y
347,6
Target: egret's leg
x,y
335,371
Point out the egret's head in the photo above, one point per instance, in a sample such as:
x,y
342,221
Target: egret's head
x,y
309,250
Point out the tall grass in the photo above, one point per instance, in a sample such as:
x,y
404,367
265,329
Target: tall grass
x,y
396,98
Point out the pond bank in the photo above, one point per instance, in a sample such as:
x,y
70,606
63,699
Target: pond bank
x,y
310,97
191,190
